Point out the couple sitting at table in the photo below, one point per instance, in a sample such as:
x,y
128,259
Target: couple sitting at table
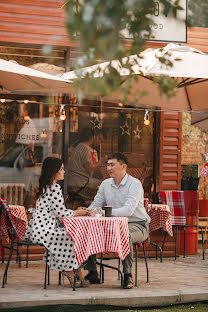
x,y
121,191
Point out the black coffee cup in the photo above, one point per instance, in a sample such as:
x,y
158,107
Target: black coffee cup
x,y
108,211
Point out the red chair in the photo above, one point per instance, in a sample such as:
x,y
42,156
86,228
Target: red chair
x,y
175,200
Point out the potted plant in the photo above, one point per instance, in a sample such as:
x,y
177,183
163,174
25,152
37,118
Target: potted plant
x,y
189,177
203,203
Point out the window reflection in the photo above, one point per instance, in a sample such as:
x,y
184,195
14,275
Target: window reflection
x,y
30,132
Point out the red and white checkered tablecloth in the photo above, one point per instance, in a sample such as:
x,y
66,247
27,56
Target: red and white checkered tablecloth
x,y
98,235
19,218
160,218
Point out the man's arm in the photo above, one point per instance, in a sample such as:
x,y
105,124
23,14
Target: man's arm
x,y
135,195
99,200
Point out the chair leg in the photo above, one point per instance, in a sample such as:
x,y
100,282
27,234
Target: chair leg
x,y
145,258
27,256
75,279
136,257
119,266
7,266
59,278
184,242
46,269
165,235
101,272
176,242
2,259
17,258
203,238
48,275
158,247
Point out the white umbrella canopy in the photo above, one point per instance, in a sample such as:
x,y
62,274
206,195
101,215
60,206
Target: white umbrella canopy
x,y
15,78
191,72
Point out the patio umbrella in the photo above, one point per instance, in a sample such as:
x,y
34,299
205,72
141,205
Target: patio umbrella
x,y
15,78
191,73
200,120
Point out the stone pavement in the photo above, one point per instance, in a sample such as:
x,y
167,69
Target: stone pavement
x,y
171,282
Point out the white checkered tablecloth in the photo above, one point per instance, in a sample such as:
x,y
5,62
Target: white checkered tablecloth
x,y
20,217
98,235
160,218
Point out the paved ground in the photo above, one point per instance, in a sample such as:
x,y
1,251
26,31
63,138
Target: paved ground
x,y
171,282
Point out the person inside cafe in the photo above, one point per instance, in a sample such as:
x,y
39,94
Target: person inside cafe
x,y
126,196
45,226
84,162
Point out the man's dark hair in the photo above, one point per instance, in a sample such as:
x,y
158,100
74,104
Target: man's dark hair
x,y
119,157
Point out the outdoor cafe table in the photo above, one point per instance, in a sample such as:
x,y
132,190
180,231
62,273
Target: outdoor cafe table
x,y
98,235
160,218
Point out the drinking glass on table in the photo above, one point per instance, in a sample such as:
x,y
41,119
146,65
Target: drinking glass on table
x,y
96,212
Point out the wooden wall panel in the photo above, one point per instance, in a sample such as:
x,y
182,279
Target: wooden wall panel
x,y
43,22
33,22
170,151
197,37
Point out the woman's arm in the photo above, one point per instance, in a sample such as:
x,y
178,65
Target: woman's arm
x,y
58,205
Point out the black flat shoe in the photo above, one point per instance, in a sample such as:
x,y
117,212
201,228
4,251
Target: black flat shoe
x,y
93,278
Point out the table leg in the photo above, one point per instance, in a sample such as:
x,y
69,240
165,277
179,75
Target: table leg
x,y
110,267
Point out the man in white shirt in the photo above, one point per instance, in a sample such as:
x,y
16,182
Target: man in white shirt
x,y
126,196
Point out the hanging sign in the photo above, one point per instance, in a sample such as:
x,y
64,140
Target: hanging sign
x,y
170,28
167,28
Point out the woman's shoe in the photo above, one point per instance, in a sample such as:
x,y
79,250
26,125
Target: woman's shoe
x,y
71,280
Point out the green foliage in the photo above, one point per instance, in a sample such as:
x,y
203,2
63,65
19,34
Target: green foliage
x,y
100,25
8,111
197,13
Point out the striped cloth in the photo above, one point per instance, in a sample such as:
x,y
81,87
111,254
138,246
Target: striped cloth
x,y
160,218
98,235
175,200
18,218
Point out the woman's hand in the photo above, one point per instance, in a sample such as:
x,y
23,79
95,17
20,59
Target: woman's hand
x,y
81,212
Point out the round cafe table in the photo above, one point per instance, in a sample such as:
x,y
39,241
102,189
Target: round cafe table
x,y
98,235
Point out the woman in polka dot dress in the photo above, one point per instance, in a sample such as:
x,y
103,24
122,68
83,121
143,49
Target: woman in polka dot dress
x,y
45,225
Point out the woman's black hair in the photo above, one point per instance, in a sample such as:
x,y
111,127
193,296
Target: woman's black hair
x,y
51,165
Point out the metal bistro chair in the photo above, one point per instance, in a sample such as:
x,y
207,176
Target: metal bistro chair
x,y
147,204
136,246
15,243
175,200
74,194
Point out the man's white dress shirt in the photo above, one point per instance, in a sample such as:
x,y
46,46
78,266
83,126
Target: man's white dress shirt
x,y
126,199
